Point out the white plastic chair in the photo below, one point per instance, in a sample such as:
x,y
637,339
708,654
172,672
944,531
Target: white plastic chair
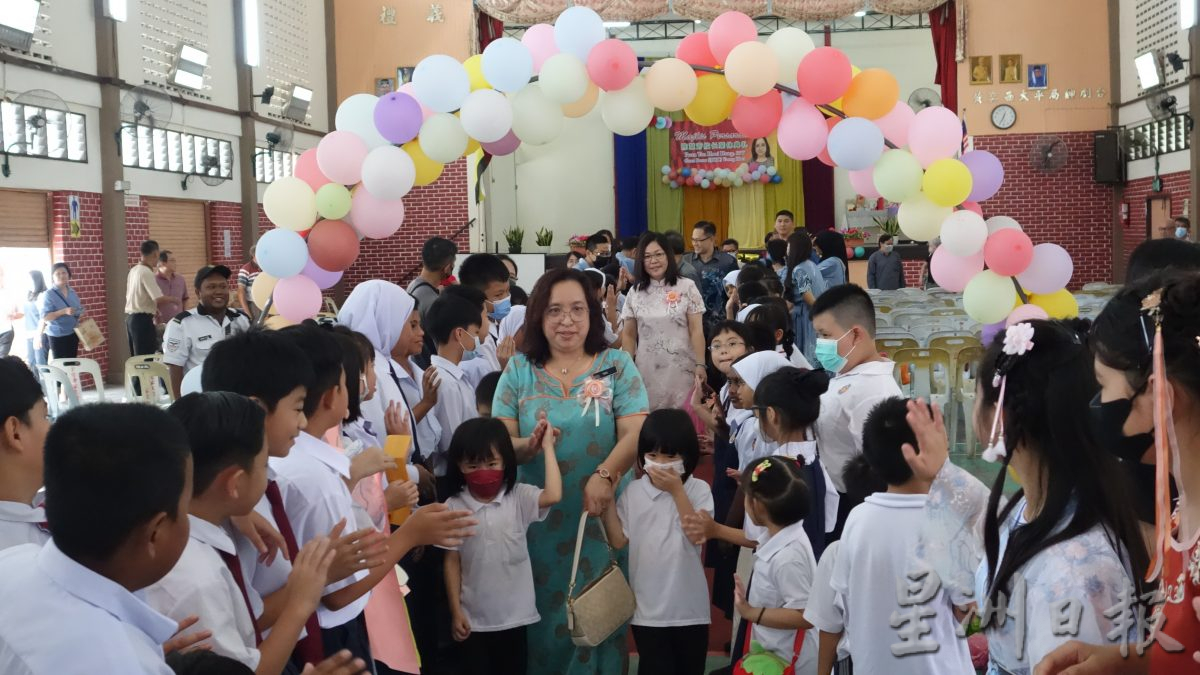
x,y
51,376
148,373
78,367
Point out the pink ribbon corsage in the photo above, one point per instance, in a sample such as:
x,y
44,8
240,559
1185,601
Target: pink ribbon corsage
x,y
672,299
595,395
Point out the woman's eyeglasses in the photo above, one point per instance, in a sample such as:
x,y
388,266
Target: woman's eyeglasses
x,y
654,256
577,313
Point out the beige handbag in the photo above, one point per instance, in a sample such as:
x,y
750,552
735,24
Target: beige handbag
x,y
604,605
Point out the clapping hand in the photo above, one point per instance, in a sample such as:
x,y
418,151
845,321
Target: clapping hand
x,y
187,643
396,420
699,527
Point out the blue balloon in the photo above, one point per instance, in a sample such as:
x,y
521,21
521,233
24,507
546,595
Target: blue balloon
x,y
666,169
685,172
855,144
776,178
859,251
674,185
282,253
705,183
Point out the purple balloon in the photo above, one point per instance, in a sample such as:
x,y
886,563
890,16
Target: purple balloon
x,y
504,146
990,331
398,117
987,174
324,278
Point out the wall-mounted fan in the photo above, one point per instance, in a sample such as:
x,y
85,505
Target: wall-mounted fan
x,y
36,106
208,173
280,138
142,106
1048,154
924,98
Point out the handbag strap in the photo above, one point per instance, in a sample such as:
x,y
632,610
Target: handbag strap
x,y
583,519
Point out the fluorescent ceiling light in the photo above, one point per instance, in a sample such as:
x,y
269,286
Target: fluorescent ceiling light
x,y
301,93
298,107
861,13
1147,70
1187,14
193,55
117,10
616,24
189,67
20,15
250,32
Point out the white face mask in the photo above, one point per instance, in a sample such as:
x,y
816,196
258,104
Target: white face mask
x,y
674,465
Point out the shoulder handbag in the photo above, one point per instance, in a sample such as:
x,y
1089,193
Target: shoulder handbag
x,y
604,605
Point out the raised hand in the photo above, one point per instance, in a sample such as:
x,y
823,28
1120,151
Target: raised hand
x,y
930,429
259,531
437,525
395,418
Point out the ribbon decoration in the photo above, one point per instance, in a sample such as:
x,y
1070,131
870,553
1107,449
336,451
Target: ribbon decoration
x,y
594,395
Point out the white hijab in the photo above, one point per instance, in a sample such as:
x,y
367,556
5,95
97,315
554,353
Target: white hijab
x,y
757,366
512,323
378,309
745,312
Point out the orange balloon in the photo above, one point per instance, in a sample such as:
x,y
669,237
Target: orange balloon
x,y
584,105
872,94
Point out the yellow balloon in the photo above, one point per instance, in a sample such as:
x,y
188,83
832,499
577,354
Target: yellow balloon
x,y
947,182
427,169
263,287
474,66
584,105
472,147
1059,304
713,102
840,104
277,322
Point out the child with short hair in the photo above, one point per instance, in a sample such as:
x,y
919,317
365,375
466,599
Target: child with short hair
x,y
23,428
874,561
120,480
777,500
485,392
229,476
455,326
488,274
670,624
844,320
489,578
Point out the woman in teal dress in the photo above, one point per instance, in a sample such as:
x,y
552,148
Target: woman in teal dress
x,y
568,382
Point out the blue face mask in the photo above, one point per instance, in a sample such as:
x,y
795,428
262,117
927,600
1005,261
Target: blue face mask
x,y
1181,233
827,354
469,354
501,308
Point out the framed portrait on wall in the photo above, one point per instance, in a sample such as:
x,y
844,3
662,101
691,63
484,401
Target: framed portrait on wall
x,y
1037,76
981,70
404,74
384,86
1010,69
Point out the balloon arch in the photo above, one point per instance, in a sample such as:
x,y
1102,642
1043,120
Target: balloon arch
x,y
518,92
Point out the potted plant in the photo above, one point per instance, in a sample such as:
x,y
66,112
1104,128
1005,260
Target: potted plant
x,y
515,237
544,237
854,237
889,225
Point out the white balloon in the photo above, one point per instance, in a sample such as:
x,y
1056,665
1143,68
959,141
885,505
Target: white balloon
x,y
563,78
357,115
790,45
507,64
1001,223
536,119
627,111
442,138
388,173
577,30
486,115
441,83
921,219
964,233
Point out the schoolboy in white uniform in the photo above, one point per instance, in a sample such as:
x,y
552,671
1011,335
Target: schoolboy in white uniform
x,y
844,319
23,427
454,323
72,605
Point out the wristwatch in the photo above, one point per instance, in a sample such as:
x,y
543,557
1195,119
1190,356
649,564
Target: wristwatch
x,y
604,473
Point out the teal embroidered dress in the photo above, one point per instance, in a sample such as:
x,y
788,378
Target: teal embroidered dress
x,y
524,391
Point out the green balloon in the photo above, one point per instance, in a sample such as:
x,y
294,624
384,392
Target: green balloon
x,y
333,201
898,175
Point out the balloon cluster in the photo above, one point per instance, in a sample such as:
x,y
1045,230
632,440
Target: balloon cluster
x,y
711,179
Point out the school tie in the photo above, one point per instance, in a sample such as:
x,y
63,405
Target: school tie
x,y
310,648
235,568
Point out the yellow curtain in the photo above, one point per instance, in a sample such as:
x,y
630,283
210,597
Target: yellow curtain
x,y
710,205
664,205
746,221
788,194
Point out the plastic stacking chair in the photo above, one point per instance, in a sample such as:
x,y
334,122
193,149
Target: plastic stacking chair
x,y
947,311
148,374
924,373
965,376
887,345
55,380
331,306
954,345
76,368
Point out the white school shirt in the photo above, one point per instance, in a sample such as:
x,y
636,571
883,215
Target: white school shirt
x,y
315,497
872,566
408,393
664,567
808,450
751,444
61,617
22,524
201,585
797,358
823,610
783,574
487,360
455,405
261,579
497,577
844,408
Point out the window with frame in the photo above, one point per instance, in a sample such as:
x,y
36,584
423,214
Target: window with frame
x,y
146,147
43,132
271,165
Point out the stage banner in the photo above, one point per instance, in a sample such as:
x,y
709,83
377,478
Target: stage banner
x,y
698,147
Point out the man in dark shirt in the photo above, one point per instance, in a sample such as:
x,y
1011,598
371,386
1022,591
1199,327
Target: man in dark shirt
x,y
885,270
711,265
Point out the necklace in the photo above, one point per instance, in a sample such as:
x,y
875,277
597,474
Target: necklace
x,y
571,366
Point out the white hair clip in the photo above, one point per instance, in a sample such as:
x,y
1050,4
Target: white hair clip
x,y
1018,340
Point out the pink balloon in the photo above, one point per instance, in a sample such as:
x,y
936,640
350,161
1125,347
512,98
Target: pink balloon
x,y
764,179
802,131
324,278
896,123
824,154
824,75
694,49
340,155
297,298
407,88
971,206
728,31
612,65
1049,271
863,183
373,217
1008,252
308,171
935,133
539,40
333,245
756,117
504,146
1026,313
952,272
